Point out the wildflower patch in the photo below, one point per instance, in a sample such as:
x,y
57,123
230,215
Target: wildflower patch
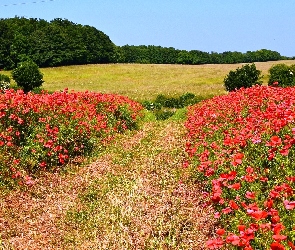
x,y
45,131
241,146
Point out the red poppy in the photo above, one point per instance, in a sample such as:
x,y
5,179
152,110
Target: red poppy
x,y
276,246
279,237
250,195
290,244
233,239
268,203
275,141
257,215
220,231
235,186
237,159
233,205
214,243
226,210
290,205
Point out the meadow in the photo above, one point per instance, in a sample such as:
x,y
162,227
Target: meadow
x,y
145,81
105,174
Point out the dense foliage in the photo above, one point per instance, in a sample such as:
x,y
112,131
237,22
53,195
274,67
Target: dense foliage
x,y
282,75
62,42
54,43
244,77
162,55
27,75
241,147
44,131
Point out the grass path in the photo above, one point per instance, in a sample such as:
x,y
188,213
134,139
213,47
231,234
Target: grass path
x,y
133,196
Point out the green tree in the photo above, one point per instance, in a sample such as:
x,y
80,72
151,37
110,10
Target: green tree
x,y
27,75
282,75
244,77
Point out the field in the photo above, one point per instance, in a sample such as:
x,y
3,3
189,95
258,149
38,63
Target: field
x,y
144,81
142,190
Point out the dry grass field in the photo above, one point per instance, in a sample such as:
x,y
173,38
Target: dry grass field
x,y
146,81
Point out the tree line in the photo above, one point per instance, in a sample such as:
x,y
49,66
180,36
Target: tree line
x,y
55,43
61,42
160,55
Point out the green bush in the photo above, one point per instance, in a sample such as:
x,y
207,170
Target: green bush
x,y
244,77
177,102
164,107
4,82
27,75
151,105
282,75
163,114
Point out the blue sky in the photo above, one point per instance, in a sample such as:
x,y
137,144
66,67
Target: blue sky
x,y
207,25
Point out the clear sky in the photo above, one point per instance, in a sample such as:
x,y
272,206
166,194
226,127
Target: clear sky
x,y
206,25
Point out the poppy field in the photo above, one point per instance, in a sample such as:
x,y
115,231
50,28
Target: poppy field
x,y
46,131
96,170
241,147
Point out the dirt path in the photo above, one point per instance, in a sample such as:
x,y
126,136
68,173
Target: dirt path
x,y
134,196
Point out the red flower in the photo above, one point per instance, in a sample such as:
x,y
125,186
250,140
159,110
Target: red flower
x,y
226,210
257,215
230,176
290,244
276,246
278,228
265,226
29,181
289,204
275,219
220,231
214,243
268,203
241,228
235,186
291,178
237,159
275,141
279,237
233,205
250,195
233,239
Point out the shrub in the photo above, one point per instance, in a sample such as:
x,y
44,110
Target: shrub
x,y
164,107
188,99
27,75
282,75
244,77
4,82
177,102
151,105
164,114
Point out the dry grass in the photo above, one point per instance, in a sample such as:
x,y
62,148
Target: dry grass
x,y
145,81
132,197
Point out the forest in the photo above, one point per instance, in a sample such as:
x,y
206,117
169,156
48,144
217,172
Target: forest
x,y
61,42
